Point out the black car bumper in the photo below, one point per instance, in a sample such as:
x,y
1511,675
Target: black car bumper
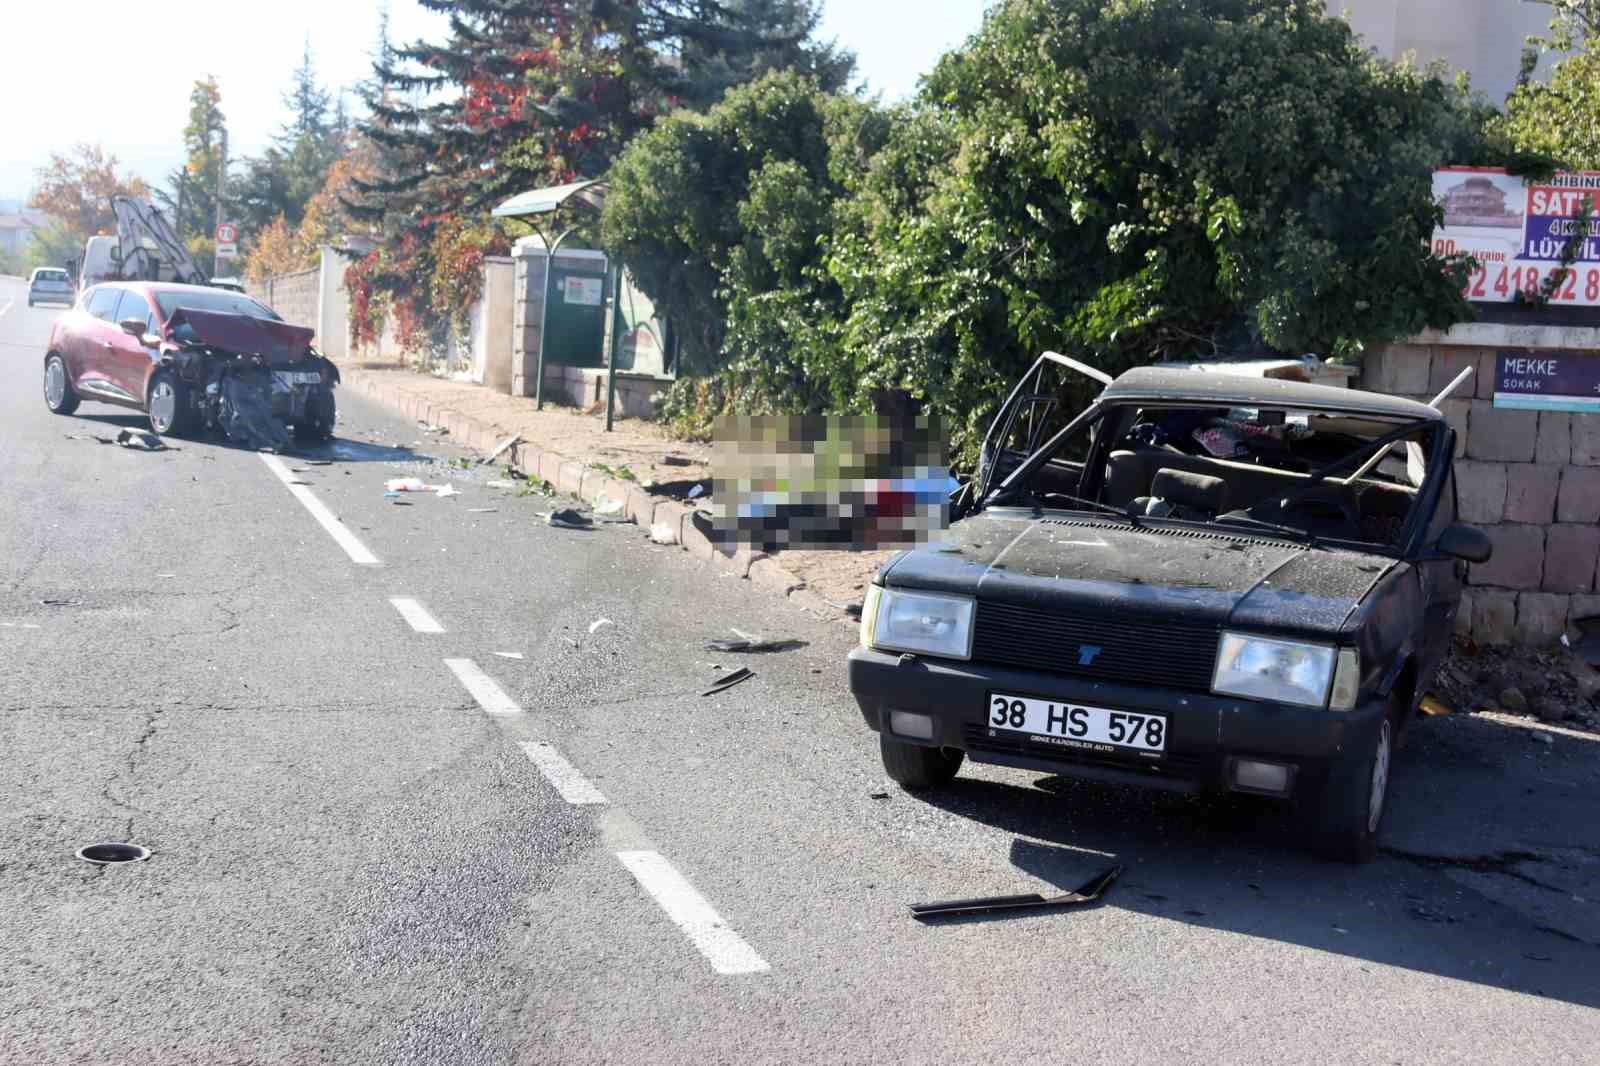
x,y
1206,734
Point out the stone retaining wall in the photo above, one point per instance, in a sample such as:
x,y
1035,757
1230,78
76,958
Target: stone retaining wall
x,y
1529,479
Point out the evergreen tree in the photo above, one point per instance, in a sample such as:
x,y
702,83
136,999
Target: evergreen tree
x,y
191,198
550,90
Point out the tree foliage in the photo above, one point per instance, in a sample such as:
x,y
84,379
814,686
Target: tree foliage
x,y
1124,179
1560,118
525,93
76,188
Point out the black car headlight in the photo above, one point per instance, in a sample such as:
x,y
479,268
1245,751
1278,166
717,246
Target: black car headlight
x,y
929,623
1288,671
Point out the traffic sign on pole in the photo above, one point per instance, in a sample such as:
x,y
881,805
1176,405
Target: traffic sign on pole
x,y
227,233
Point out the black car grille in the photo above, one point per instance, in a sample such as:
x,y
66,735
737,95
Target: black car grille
x,y
976,738
1130,650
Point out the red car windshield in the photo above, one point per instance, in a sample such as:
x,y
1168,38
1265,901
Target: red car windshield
x,y
229,302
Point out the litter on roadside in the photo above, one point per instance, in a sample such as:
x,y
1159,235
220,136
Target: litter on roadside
x,y
746,642
416,484
568,519
722,684
482,510
509,654
608,507
661,533
1090,891
599,624
676,460
140,440
500,483
697,492
501,448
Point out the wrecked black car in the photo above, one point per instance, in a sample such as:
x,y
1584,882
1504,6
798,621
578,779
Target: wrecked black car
x,y
1201,582
193,358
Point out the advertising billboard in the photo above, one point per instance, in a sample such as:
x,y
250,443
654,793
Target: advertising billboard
x,y
1516,231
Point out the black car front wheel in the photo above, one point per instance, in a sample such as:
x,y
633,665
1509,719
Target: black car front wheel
x,y
915,768
1350,805
59,394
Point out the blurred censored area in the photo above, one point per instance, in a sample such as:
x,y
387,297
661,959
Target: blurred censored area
x,y
829,481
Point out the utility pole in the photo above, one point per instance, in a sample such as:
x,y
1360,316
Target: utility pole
x,y
222,192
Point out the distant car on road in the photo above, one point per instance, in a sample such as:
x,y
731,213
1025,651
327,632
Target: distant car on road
x,y
191,357
51,285
231,284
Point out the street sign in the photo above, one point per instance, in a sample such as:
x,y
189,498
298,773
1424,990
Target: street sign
x,y
227,233
229,250
1549,381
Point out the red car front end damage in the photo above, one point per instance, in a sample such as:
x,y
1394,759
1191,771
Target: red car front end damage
x,y
194,358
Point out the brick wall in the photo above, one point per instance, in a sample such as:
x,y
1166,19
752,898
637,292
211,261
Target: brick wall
x,y
1529,479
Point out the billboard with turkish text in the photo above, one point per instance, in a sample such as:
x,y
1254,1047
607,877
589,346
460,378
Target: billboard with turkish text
x,y
1516,230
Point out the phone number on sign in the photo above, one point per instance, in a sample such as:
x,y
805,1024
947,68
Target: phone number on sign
x,y
1581,285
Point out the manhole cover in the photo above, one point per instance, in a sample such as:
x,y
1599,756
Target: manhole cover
x,y
112,854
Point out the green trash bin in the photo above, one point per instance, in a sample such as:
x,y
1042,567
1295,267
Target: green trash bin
x,y
575,324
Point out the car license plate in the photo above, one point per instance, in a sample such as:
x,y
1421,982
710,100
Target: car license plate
x,y
290,378
1071,725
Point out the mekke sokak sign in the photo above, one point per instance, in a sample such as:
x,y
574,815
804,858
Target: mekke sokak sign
x,y
1516,230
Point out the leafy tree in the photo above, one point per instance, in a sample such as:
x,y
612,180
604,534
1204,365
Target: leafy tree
x,y
724,217
1560,118
550,89
531,92
287,176
76,187
55,244
1124,179
191,196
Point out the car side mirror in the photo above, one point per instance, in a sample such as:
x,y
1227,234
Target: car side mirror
x,y
1467,543
133,327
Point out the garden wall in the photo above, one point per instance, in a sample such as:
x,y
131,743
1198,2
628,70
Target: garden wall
x,y
1530,479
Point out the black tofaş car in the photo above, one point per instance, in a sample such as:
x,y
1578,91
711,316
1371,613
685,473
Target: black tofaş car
x,y
1201,582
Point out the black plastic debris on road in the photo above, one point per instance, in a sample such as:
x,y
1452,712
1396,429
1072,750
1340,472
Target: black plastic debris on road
x,y
140,440
1088,892
567,518
744,642
722,684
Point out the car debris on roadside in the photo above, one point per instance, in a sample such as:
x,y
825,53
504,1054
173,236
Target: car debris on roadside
x,y
567,518
140,440
1090,891
722,684
744,642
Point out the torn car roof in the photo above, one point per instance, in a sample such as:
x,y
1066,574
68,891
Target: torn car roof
x,y
276,342
1166,385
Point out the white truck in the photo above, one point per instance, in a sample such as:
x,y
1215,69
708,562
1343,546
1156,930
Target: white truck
x,y
145,248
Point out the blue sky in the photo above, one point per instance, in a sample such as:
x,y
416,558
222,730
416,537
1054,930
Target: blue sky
x,y
136,104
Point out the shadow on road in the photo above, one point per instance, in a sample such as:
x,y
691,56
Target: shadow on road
x,y
337,450
1509,916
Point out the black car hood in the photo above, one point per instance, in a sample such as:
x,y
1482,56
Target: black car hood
x,y
1067,561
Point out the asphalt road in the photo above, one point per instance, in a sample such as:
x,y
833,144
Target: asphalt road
x,y
365,854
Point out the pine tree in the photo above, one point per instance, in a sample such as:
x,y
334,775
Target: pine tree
x,y
550,90
192,194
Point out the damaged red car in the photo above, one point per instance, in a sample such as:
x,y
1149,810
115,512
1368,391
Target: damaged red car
x,y
194,359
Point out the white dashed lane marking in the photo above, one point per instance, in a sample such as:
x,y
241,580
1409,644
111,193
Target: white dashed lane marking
x,y
723,948
573,786
416,615
327,519
490,696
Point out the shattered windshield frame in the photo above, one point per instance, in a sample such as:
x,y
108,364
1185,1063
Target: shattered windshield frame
x,y
1365,484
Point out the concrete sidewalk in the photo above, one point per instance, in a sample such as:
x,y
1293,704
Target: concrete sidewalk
x,y
637,463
